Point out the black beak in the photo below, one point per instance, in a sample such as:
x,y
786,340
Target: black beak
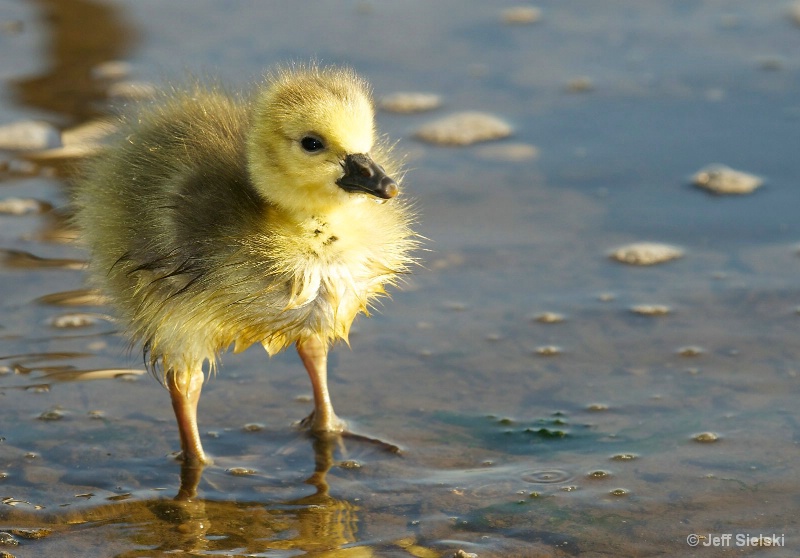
x,y
362,174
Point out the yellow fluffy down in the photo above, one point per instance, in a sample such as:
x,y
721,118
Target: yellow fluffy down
x,y
210,226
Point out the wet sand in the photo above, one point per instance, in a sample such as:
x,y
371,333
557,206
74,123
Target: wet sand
x,y
650,403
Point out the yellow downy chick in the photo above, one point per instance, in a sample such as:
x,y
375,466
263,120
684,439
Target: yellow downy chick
x,y
218,220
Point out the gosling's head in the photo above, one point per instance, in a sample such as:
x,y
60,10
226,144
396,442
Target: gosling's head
x,y
311,142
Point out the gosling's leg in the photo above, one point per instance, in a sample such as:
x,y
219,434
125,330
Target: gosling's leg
x,y
314,354
184,389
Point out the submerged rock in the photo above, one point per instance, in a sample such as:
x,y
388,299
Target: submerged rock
x,y
75,320
32,534
691,351
706,437
409,102
241,471
580,84
23,206
52,414
549,318
132,90
80,141
29,135
646,253
719,179
508,152
464,128
521,15
7,539
112,70
651,309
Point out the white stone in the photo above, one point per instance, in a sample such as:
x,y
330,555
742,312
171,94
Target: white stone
x,y
464,128
409,102
720,179
646,253
29,135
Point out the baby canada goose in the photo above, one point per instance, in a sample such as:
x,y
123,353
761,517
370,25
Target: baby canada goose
x,y
217,220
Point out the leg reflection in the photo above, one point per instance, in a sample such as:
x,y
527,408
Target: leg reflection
x,y
317,522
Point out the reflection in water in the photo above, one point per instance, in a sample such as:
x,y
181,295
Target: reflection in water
x,y
318,523
18,259
82,35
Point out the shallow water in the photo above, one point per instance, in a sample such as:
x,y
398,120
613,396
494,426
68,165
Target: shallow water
x,y
587,436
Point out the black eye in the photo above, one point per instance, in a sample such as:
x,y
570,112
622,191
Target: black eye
x,y
312,144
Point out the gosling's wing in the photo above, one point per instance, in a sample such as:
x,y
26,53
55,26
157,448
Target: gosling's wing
x,y
168,196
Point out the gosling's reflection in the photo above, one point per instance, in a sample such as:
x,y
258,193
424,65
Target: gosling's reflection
x,y
317,523
80,34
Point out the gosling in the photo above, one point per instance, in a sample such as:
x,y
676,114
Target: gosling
x,y
221,220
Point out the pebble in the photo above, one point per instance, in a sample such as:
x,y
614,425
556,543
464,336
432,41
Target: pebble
x,y
112,70
548,350
651,309
131,90
646,253
705,437
464,128
241,471
31,534
23,206
80,141
521,15
599,475
722,180
691,351
580,84
67,321
409,102
53,414
508,152
29,135
549,318
7,539
120,497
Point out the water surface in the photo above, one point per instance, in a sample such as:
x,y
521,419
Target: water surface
x,y
605,433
